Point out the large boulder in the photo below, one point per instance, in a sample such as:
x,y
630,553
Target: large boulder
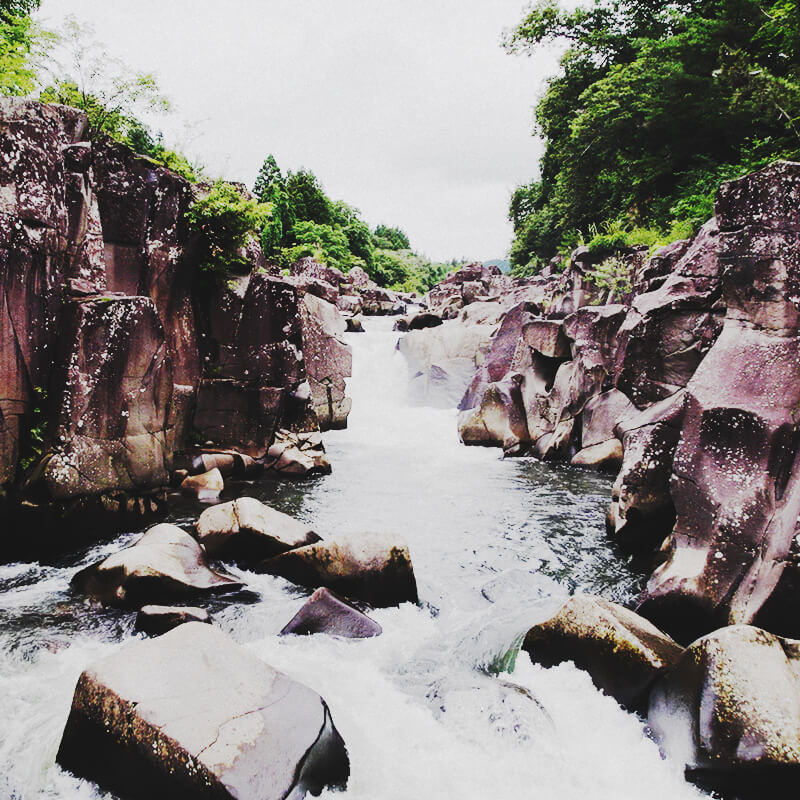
x,y
623,652
206,486
329,361
247,531
297,455
735,485
192,715
368,567
326,612
165,564
731,705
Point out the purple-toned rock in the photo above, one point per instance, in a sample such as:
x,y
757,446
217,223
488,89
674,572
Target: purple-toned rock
x,y
669,330
424,319
326,612
113,398
247,531
731,556
368,567
165,564
193,714
157,620
499,420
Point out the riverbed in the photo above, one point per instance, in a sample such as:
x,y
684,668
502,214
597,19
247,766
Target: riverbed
x,y
438,706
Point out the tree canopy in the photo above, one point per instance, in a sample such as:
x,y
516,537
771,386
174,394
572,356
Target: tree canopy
x,y
654,104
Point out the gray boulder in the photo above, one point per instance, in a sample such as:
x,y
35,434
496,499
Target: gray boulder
x,y
368,567
155,620
247,531
165,564
192,715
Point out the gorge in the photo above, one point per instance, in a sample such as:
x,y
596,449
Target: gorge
x,y
140,389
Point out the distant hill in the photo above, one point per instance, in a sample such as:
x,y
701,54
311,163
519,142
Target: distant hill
x,y
503,263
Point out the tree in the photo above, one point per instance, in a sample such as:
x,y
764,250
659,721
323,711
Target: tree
x,y
654,104
111,94
308,201
22,46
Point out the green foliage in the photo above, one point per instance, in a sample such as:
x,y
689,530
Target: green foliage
x,y
224,219
324,243
654,105
37,431
22,43
614,275
388,238
307,198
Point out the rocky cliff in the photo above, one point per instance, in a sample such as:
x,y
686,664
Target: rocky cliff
x,y
117,351
686,387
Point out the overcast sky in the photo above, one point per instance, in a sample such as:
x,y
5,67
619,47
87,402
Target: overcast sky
x,y
407,109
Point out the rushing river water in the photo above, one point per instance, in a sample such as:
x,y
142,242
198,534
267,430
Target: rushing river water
x,y
435,707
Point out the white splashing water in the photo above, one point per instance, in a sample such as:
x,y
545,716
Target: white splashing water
x,y
430,709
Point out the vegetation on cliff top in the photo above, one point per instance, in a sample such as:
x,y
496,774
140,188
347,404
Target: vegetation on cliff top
x,y
306,222
654,105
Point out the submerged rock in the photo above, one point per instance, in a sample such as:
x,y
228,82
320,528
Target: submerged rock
x,y
155,620
369,567
165,564
191,714
326,612
623,652
247,531
731,704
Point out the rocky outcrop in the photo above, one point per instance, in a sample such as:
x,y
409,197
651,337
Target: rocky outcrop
x,y
247,531
326,612
117,350
165,564
623,652
156,620
731,706
192,714
735,477
368,567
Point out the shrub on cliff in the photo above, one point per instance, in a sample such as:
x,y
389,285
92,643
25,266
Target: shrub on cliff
x,y
224,219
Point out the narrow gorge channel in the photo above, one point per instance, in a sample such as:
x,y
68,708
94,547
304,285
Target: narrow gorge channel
x,y
433,708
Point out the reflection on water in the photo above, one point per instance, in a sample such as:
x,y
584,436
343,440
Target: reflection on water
x,y
422,707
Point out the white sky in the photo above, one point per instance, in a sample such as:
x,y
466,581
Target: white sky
x,y
407,109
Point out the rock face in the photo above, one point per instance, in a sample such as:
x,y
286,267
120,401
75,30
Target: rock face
x,y
735,477
731,704
247,531
326,612
623,652
328,361
165,564
368,567
155,620
117,350
192,714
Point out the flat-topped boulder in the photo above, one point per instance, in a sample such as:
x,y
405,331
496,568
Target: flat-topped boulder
x,y
247,531
731,705
369,567
191,714
623,652
165,564
326,612
155,620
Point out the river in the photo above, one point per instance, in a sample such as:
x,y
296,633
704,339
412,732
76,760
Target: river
x,y
435,708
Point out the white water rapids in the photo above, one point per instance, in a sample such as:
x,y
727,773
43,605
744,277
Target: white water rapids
x,y
434,708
